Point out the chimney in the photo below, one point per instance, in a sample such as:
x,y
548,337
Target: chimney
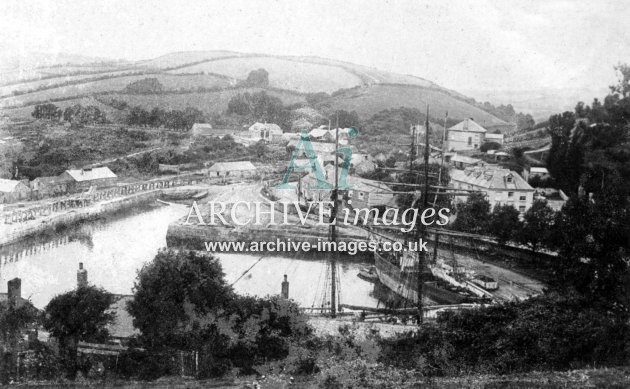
x,y
285,288
14,291
82,279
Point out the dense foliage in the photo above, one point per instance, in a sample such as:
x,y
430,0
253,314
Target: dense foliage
x,y
157,117
183,302
78,315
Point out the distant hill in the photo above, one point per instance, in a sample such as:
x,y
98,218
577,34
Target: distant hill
x,y
208,79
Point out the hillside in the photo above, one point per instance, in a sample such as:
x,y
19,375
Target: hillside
x,y
208,79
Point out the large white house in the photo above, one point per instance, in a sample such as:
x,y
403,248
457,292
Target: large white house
x,y
465,135
501,186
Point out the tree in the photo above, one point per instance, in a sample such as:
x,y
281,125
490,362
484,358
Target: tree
x,y
524,121
182,301
504,223
79,315
79,114
257,78
13,319
489,146
165,288
138,116
473,215
46,111
145,86
539,220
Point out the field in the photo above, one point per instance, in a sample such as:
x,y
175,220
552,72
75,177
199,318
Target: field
x,y
367,101
358,88
292,75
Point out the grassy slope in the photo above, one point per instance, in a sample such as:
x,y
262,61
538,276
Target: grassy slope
x,y
367,101
297,74
292,75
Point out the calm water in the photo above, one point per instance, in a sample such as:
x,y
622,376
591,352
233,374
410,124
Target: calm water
x,y
113,250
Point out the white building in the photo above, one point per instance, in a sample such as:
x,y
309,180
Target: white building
x,y
466,135
239,169
501,186
265,131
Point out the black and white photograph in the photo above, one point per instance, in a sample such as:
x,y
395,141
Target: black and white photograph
x,y
314,194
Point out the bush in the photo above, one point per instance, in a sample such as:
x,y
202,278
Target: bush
x,y
489,146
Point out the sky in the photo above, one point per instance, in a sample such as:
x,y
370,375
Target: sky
x,y
480,45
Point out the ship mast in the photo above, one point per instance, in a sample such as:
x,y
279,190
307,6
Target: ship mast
x,y
333,229
420,228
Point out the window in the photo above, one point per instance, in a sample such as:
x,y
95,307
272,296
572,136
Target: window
x,y
521,208
510,194
522,198
469,141
509,178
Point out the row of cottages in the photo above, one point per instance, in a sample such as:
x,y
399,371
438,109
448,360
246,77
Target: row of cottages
x,y
240,169
269,132
501,186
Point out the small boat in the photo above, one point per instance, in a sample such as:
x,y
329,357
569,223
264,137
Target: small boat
x,y
368,274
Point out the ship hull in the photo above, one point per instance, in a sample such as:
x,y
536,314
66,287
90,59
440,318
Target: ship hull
x,y
406,287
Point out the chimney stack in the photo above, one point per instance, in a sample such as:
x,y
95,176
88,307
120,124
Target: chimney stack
x,y
82,279
285,288
14,292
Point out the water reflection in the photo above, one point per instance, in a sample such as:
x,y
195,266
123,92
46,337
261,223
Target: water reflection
x,y
115,248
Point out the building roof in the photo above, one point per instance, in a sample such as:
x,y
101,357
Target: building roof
x,y
318,132
320,148
122,326
266,126
8,186
494,136
465,159
97,173
365,185
491,178
232,166
539,170
467,125
202,126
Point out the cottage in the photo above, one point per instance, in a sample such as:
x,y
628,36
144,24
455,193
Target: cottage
x,y
81,179
501,186
540,172
239,169
370,194
463,162
49,186
265,131
12,191
321,134
466,135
